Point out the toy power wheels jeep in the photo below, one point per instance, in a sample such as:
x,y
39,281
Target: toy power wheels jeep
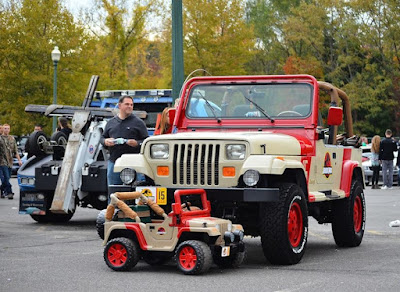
x,y
188,231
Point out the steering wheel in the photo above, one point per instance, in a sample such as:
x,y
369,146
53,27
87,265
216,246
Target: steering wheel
x,y
289,113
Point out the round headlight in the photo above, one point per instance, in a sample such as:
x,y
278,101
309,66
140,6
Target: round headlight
x,y
229,237
251,177
127,175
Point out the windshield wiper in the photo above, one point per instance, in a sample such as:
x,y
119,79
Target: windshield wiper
x,y
259,108
211,107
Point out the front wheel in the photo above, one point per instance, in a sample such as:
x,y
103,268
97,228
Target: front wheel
x,y
349,215
284,226
121,254
193,257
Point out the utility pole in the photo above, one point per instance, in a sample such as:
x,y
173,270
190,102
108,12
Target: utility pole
x,y
177,48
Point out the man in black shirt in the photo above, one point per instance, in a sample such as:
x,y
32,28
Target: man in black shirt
x,y
122,134
386,149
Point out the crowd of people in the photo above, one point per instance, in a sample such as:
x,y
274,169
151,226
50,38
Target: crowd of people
x,y
382,157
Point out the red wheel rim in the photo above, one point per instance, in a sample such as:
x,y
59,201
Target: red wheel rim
x,y
117,255
295,224
187,258
357,214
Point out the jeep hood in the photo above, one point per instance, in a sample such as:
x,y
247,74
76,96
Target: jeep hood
x,y
256,142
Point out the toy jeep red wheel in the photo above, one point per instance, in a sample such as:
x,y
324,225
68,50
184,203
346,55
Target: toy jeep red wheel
x,y
193,257
121,254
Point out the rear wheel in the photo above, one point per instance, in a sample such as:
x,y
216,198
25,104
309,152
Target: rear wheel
x,y
348,223
101,218
193,257
121,254
284,226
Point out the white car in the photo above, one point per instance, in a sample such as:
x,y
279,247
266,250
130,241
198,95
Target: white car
x,y
366,158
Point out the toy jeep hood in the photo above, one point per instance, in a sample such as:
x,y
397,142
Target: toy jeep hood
x,y
256,142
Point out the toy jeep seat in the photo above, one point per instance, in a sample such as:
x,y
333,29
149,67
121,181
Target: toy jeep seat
x,y
143,211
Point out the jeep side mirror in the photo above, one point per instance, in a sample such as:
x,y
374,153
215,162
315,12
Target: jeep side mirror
x,y
335,116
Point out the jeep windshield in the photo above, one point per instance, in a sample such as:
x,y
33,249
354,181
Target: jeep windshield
x,y
254,101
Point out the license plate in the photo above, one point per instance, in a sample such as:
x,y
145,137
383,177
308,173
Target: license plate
x,y
225,252
158,195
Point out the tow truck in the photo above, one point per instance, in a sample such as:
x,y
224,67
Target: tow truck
x,y
65,173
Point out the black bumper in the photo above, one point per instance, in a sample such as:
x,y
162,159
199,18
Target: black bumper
x,y
220,194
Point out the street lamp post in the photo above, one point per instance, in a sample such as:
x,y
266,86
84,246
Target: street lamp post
x,y
55,56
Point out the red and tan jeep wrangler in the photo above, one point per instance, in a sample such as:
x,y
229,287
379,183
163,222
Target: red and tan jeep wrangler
x,y
266,150
188,231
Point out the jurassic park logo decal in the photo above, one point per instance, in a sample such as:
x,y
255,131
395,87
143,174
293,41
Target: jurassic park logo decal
x,y
327,170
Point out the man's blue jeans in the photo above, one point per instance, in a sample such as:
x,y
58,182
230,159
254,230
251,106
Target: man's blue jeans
x,y
387,172
5,179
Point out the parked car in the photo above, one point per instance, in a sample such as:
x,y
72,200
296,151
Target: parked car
x,y
366,162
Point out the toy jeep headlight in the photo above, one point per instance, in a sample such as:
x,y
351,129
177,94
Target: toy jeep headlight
x,y
235,151
159,151
127,175
251,177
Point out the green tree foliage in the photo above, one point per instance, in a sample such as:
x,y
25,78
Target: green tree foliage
x,y
353,44
30,30
119,33
216,37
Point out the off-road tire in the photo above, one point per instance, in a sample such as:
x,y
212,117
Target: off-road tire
x,y
121,254
52,217
36,140
193,257
101,218
284,226
60,138
233,261
349,215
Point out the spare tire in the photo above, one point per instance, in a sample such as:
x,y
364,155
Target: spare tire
x,y
60,138
36,143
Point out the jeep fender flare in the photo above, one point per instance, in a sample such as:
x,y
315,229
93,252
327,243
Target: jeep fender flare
x,y
348,169
137,162
271,164
130,228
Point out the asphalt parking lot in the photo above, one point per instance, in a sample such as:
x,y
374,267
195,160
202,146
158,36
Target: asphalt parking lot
x,y
69,257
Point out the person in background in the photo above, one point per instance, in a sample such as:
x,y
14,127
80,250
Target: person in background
x,y
364,140
3,162
376,140
164,126
387,147
64,126
11,152
123,133
38,127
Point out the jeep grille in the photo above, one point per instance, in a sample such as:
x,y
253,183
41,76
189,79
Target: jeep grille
x,y
196,164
